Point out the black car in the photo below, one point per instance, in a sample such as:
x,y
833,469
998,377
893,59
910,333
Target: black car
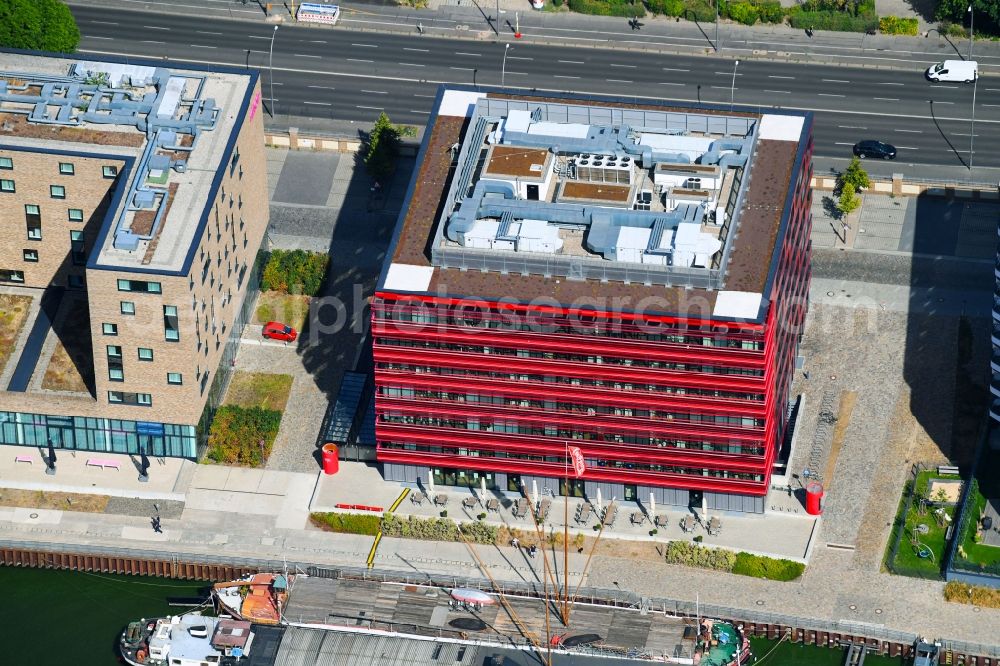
x,y
875,149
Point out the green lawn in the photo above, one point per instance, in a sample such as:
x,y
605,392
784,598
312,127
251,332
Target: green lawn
x,y
259,389
908,560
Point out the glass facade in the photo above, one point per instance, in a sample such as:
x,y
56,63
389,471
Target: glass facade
x,y
77,433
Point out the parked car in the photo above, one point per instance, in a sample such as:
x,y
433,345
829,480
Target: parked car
x,y
277,331
877,149
965,71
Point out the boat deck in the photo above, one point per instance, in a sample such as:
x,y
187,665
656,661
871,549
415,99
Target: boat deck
x,y
425,610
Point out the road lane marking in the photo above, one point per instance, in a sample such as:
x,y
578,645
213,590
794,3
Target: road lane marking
x,y
425,96
155,27
405,48
317,41
943,102
670,83
888,84
112,39
371,108
318,103
617,81
474,55
366,46
359,60
306,55
425,113
519,58
829,95
563,76
906,148
111,23
625,66
572,62
728,73
775,76
783,92
724,88
909,131
322,87
202,46
375,92
835,81
851,127
463,69
674,69
258,37
948,87
886,99
207,32
411,64
150,41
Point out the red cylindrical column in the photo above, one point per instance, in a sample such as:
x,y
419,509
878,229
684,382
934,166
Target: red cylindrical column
x,y
331,464
814,498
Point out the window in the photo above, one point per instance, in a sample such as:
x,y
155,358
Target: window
x,y
145,354
57,191
76,281
171,332
33,218
109,329
76,247
6,163
120,397
30,255
116,371
127,308
234,161
174,378
66,168
76,215
6,185
11,276
109,171
139,286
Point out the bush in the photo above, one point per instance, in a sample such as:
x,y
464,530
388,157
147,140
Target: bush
x,y
743,12
894,25
666,7
437,529
848,201
771,12
295,271
977,595
758,566
608,8
347,523
826,20
382,148
954,29
236,433
854,176
42,25
692,555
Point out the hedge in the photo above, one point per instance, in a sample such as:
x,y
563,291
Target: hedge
x,y
437,529
828,20
894,25
347,523
295,271
666,7
608,7
236,433
977,595
758,566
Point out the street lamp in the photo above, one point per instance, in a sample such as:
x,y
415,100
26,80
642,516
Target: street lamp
x,y
716,26
503,66
270,66
732,89
972,133
972,28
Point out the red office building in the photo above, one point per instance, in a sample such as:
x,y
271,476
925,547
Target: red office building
x,y
627,277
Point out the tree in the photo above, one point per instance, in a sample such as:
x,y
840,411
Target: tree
x,y
958,11
849,201
383,148
39,25
855,176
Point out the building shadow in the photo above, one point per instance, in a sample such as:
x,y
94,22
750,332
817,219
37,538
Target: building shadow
x,y
946,355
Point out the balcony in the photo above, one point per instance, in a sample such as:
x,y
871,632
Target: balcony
x,y
995,383
995,410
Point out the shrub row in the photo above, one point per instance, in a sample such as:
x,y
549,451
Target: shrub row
x,y
622,8
295,271
827,20
977,595
437,529
347,523
236,434
758,566
819,14
745,564
894,25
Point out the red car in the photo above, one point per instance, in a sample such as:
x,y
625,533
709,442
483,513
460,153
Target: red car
x,y
278,331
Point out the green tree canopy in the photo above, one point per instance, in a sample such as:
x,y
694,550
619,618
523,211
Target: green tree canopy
x,y
855,176
957,11
849,200
383,148
39,25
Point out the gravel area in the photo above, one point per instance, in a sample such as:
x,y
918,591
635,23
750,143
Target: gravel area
x,y
134,506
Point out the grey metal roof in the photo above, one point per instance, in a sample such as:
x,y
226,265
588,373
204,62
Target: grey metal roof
x,y
314,647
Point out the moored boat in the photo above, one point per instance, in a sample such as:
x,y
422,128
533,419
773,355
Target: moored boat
x,y
186,640
258,598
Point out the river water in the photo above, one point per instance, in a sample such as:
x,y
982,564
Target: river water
x,y
60,618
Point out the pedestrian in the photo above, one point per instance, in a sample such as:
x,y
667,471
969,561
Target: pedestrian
x,y
532,550
805,374
514,542
156,525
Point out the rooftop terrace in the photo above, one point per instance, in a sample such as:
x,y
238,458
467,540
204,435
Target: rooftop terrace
x,y
566,197
171,125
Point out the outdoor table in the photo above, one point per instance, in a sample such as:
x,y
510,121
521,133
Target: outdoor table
x,y
441,499
610,514
521,508
493,505
637,517
714,526
583,513
543,509
687,524
417,497
469,502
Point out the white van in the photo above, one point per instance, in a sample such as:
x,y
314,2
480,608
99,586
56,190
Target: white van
x,y
965,71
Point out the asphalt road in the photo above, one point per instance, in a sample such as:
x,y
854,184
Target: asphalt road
x,y
345,75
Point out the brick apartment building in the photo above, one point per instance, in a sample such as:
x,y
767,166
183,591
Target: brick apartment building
x,y
138,189
626,277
